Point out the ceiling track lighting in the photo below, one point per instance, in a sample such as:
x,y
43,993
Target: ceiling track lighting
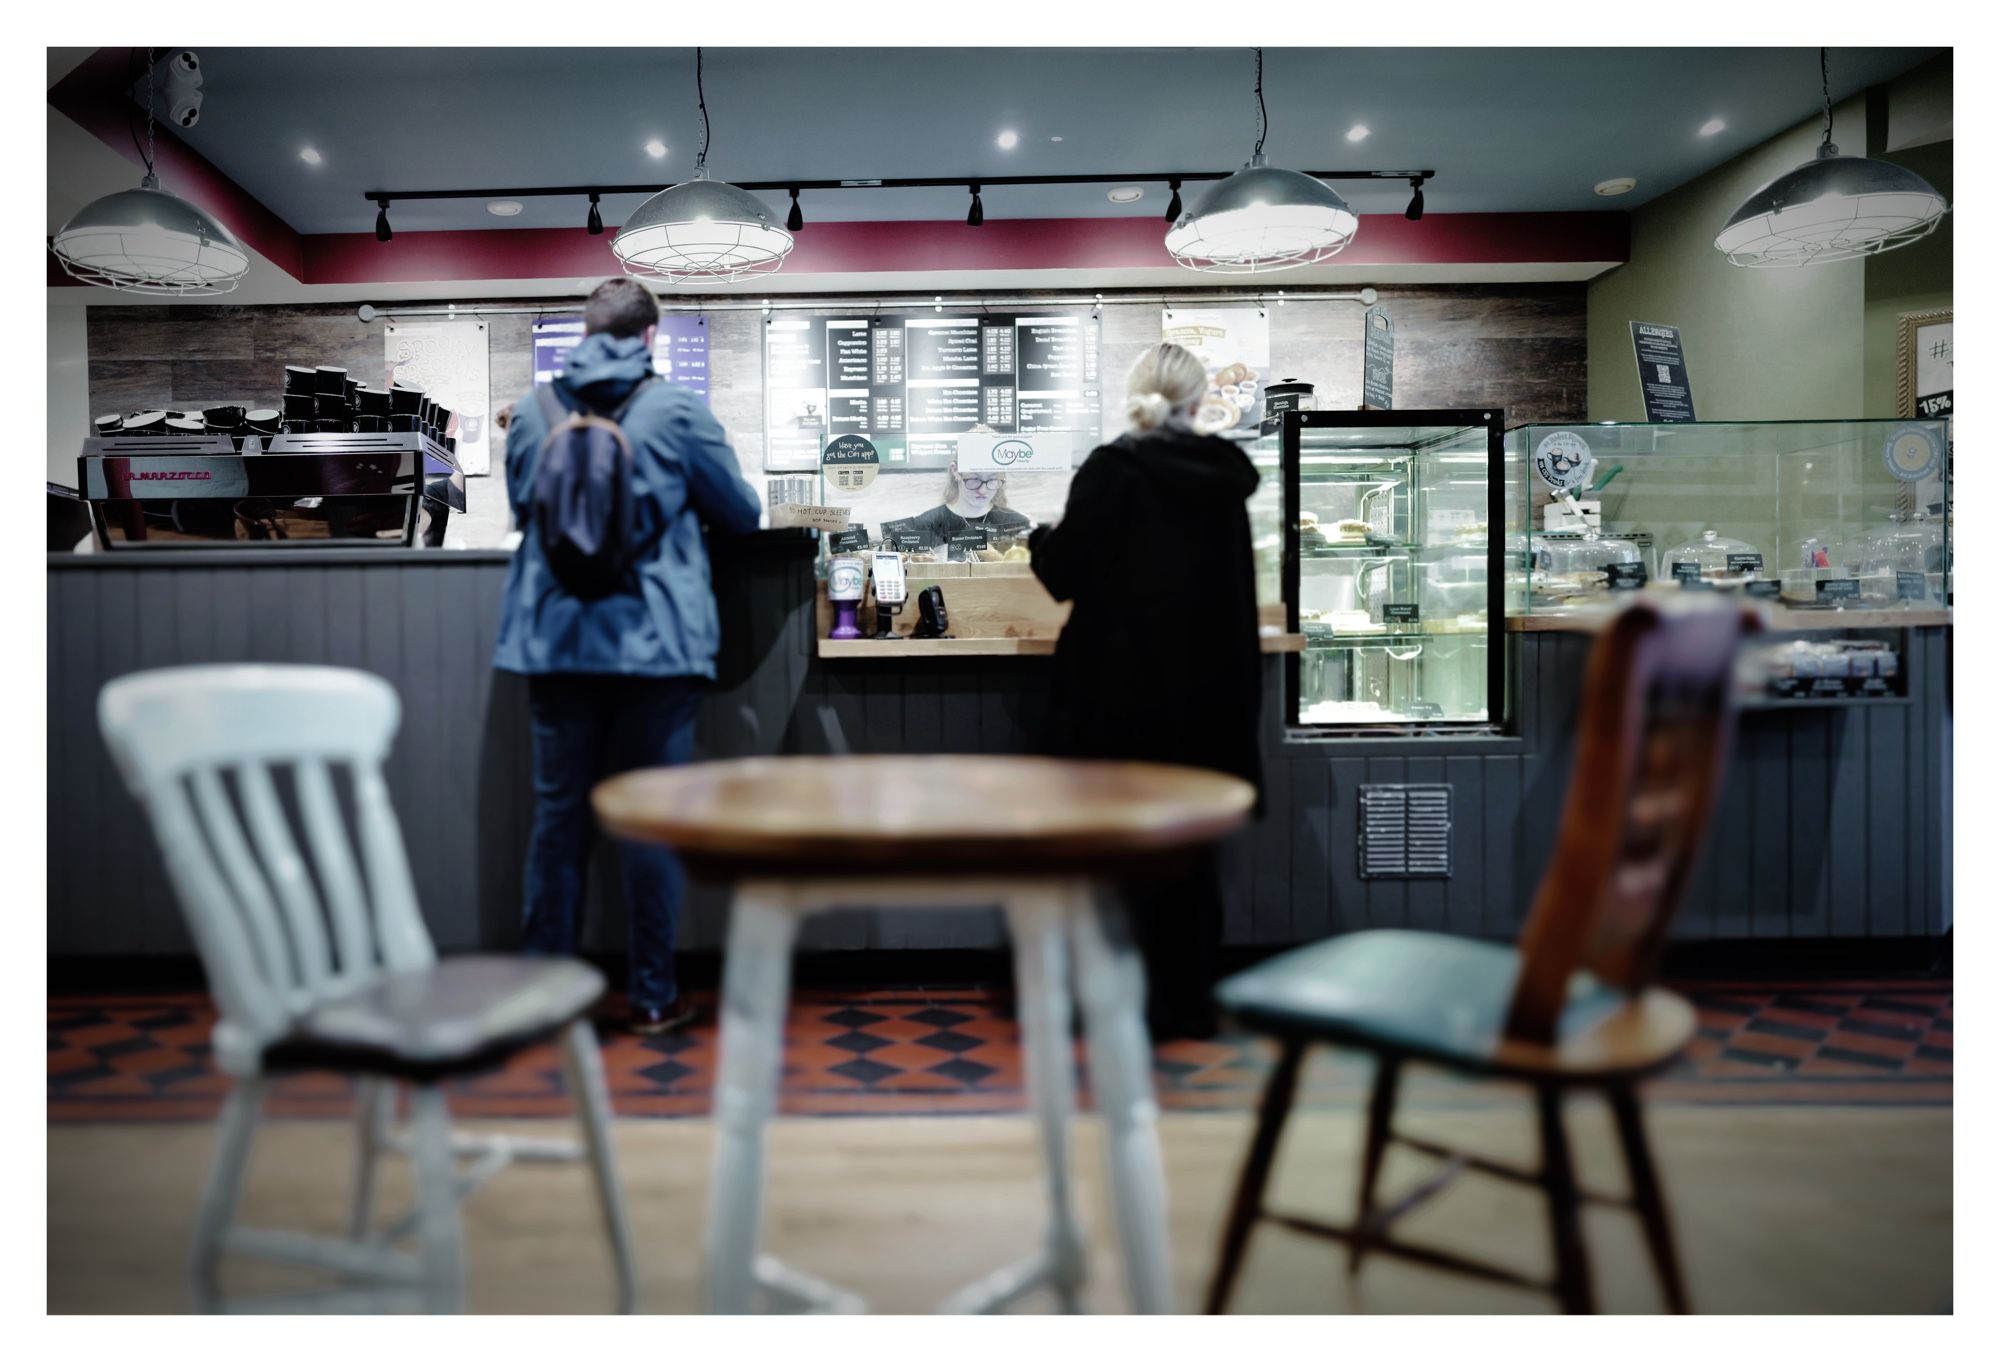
x,y
382,232
1174,204
1415,212
1263,217
147,240
1831,208
702,231
976,216
594,224
795,219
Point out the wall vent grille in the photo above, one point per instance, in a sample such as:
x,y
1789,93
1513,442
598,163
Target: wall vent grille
x,y
1405,832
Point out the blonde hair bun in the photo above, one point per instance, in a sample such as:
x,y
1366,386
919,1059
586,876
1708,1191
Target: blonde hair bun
x,y
1146,411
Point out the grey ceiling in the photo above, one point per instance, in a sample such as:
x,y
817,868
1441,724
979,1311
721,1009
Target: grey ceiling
x,y
1506,130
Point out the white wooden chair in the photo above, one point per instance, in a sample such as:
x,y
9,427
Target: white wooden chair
x,y
320,960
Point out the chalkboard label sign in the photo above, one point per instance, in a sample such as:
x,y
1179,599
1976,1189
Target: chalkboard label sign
x,y
1746,562
1378,360
964,542
1764,588
1316,631
847,540
1663,372
1838,589
1911,586
1425,709
1694,583
1625,576
1785,687
907,541
1687,572
1399,614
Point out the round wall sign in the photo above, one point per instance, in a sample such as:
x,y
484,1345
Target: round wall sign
x,y
1912,453
850,463
1562,460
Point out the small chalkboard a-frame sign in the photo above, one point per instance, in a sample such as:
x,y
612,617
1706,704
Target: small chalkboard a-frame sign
x,y
1378,360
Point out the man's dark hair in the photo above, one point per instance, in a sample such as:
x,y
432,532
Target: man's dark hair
x,y
624,307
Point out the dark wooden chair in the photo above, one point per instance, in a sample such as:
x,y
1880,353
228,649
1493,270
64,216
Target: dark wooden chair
x,y
1570,1006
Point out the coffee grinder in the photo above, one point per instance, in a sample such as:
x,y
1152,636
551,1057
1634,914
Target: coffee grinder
x,y
890,591
846,584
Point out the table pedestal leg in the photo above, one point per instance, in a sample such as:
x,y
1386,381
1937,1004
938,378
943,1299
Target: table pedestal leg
x,y
1111,982
755,987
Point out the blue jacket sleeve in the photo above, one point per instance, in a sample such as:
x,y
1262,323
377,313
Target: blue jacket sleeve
x,y
714,479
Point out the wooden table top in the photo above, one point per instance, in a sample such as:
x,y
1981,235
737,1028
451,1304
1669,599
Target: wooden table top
x,y
969,815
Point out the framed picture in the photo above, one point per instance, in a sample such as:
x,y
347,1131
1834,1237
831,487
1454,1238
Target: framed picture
x,y
1923,363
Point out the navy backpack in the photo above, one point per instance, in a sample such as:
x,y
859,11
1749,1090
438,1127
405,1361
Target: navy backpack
x,y
586,508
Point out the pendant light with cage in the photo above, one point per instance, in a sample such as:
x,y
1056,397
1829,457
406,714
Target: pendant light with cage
x,y
1831,208
703,230
147,240
1263,217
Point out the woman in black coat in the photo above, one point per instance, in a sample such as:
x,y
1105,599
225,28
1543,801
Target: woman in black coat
x,y
1159,659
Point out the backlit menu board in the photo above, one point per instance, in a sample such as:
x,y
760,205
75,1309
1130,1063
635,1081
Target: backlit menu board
x,y
913,384
680,348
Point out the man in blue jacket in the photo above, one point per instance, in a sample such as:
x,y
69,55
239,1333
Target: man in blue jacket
x,y
613,682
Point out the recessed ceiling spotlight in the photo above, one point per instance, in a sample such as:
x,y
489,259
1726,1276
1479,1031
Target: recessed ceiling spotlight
x,y
1712,127
656,148
1130,193
504,208
1056,138
310,156
1358,132
1624,184
1007,139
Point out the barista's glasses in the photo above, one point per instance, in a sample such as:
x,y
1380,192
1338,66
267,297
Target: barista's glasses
x,y
979,483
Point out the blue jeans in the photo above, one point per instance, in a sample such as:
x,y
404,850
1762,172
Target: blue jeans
x,y
586,728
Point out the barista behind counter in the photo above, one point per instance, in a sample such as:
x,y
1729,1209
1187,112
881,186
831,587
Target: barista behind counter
x,y
977,501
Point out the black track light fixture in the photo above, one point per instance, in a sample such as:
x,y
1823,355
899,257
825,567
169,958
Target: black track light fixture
x,y
1415,211
1174,203
594,224
795,219
382,232
978,213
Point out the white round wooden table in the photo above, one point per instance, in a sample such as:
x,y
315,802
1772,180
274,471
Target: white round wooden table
x,y
1042,838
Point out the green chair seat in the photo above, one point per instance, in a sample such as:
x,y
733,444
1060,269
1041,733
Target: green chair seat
x,y
1444,999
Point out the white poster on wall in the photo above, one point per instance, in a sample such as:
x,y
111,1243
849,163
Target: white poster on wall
x,y
1234,344
448,361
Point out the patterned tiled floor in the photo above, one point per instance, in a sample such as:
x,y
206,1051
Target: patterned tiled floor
x,y
137,1057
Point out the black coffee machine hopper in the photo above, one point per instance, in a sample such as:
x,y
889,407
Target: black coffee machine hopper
x,y
931,619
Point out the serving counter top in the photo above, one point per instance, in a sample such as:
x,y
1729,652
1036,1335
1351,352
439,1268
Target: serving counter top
x,y
1777,618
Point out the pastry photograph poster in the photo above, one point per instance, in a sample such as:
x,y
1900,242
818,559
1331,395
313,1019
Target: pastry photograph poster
x,y
1234,344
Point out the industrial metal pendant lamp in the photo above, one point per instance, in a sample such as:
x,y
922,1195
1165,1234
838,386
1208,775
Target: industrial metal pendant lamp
x,y
702,231
1831,208
146,240
1263,217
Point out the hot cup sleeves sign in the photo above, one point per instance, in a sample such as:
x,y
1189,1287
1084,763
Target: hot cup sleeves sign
x,y
1563,460
1039,452
849,463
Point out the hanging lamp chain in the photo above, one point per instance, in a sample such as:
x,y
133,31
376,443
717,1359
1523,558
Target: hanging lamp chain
x,y
1826,98
701,100
1263,118
152,180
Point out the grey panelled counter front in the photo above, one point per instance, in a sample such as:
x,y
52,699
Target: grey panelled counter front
x,y
1835,822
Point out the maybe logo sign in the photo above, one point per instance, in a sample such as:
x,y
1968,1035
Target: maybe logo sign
x,y
1036,452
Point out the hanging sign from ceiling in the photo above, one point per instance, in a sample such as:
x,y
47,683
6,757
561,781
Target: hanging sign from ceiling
x,y
1663,372
1378,360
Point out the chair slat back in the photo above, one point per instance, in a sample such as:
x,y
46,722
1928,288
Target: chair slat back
x,y
278,930
1652,745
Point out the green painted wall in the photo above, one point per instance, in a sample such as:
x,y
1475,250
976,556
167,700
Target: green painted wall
x,y
1914,279
1761,344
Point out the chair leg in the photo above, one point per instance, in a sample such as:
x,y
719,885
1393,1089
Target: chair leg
x,y
374,1099
593,1102
437,1201
1249,1202
1111,980
225,1182
755,984
1381,1111
1043,1008
1573,1288
1647,1197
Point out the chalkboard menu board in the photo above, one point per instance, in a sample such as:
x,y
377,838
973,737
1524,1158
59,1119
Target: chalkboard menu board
x,y
913,384
1378,360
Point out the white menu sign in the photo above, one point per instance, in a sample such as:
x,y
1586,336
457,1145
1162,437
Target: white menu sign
x,y
448,361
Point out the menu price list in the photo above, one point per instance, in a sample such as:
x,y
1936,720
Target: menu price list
x,y
926,377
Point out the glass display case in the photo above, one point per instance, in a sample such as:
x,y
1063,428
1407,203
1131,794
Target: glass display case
x,y
1814,515
1390,570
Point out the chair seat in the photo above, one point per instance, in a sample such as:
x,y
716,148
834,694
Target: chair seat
x,y
461,1015
1444,999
